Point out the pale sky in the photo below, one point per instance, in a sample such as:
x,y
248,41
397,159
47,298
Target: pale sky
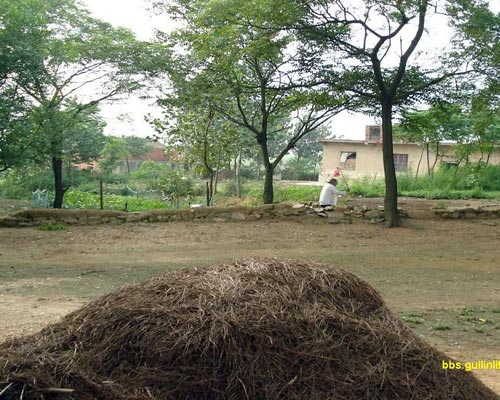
x,y
127,117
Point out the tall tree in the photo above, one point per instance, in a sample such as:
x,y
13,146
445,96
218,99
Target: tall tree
x,y
367,48
249,74
20,34
135,147
79,56
112,154
478,39
206,141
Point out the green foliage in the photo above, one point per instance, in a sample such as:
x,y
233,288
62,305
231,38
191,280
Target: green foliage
x,y
150,171
227,188
77,199
489,178
367,187
54,52
113,152
234,78
19,183
470,181
297,193
252,192
301,169
175,184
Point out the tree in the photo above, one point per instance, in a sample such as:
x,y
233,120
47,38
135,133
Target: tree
x,y
365,49
247,74
135,147
479,40
113,152
472,127
78,56
205,140
73,138
309,150
19,34
441,121
14,129
485,121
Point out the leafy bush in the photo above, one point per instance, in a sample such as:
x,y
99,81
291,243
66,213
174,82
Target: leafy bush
x,y
489,178
228,188
150,170
467,182
175,184
297,193
19,183
85,200
367,187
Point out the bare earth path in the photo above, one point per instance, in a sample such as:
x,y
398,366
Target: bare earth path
x,y
442,277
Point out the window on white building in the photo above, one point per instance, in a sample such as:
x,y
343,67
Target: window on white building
x,y
348,160
400,162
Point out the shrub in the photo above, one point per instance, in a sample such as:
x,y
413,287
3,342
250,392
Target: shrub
x,y
83,200
489,178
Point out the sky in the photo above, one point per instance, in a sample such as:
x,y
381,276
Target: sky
x,y
127,116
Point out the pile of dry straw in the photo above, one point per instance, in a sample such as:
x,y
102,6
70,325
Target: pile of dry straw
x,y
251,329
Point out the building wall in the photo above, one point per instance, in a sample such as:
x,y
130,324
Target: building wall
x,y
369,160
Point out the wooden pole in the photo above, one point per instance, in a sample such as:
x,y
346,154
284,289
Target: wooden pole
x,y
208,195
101,196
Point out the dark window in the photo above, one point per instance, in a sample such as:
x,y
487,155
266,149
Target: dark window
x,y
374,134
348,160
401,162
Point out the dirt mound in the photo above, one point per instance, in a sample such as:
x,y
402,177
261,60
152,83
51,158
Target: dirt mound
x,y
251,329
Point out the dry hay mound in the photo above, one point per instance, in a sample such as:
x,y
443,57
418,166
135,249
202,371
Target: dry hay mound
x,y
252,329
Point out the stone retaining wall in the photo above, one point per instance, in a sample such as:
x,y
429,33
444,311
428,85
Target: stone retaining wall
x,y
35,217
485,211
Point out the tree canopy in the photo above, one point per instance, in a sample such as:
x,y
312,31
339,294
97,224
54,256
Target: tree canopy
x,y
246,72
60,62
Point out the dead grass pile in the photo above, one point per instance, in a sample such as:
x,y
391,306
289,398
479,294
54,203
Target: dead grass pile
x,y
250,329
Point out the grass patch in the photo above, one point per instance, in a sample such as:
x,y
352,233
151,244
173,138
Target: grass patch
x,y
413,320
52,226
85,200
441,327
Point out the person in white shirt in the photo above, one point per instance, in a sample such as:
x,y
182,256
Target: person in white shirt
x,y
330,193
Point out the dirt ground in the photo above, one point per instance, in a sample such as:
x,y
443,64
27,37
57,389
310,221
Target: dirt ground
x,y
441,276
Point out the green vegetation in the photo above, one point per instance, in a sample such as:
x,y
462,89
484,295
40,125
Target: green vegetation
x,y
77,199
157,186
54,226
443,322
472,181
247,97
59,64
441,327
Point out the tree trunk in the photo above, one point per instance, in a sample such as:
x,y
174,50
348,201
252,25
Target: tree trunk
x,y
419,161
238,175
58,184
268,185
268,170
492,146
210,188
429,170
437,157
391,185
217,168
